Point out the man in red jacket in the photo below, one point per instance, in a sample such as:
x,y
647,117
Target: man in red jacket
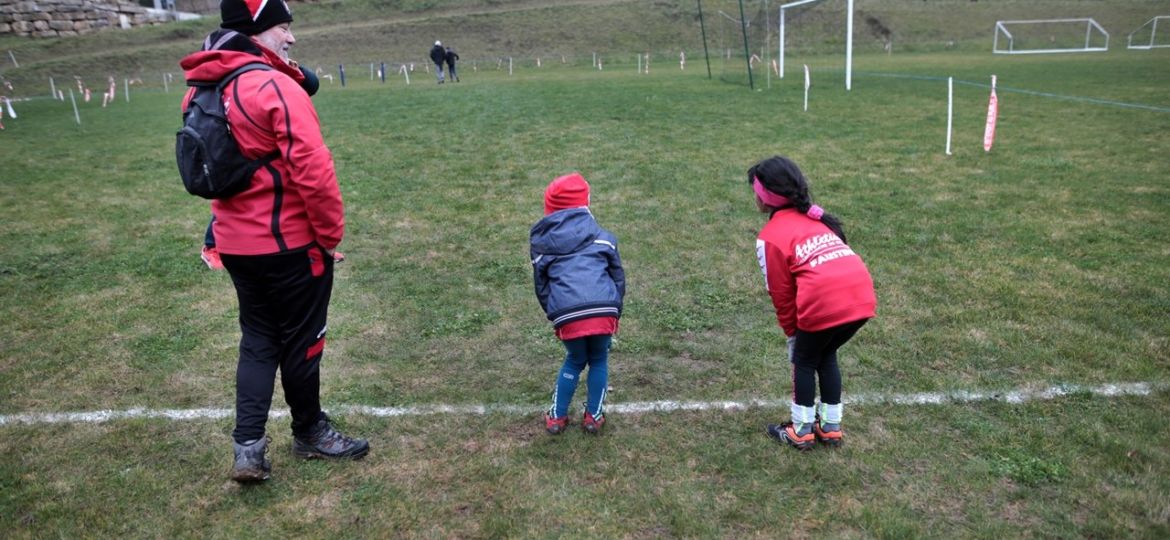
x,y
276,238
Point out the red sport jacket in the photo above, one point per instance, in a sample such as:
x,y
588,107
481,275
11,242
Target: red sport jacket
x,y
294,201
815,280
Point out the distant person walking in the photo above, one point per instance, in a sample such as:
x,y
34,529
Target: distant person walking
x,y
276,238
580,284
438,56
822,292
451,57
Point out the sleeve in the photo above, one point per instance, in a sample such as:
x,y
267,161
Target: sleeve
x,y
780,284
298,136
540,278
616,272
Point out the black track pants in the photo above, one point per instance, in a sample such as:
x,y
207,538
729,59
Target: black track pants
x,y
284,302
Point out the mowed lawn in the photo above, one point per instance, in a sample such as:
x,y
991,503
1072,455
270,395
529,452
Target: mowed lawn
x,y
1041,263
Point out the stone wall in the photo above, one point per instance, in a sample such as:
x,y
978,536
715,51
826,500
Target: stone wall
x,y
53,18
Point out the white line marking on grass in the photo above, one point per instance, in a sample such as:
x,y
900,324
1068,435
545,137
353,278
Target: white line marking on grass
x,y
635,407
1003,89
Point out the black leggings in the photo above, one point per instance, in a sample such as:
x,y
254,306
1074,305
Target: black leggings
x,y
814,357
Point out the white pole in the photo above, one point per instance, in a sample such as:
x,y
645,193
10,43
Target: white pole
x,y
806,85
950,109
781,43
594,59
126,85
509,66
13,57
76,115
849,47
166,85
52,88
406,74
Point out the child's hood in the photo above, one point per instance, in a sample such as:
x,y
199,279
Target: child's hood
x,y
564,232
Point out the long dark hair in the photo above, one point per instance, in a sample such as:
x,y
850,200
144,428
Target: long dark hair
x,y
781,176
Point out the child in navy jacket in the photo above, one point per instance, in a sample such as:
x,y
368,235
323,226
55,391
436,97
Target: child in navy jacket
x,y
580,284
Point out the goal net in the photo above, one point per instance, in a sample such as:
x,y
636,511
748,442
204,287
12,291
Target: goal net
x,y
1049,36
1147,36
738,36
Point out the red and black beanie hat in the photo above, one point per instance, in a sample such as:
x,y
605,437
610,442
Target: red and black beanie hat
x,y
251,17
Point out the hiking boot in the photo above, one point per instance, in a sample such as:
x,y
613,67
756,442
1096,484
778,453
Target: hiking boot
x,y
554,426
592,425
210,257
251,461
829,434
799,437
325,442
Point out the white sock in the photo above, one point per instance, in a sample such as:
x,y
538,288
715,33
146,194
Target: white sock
x,y
802,414
831,414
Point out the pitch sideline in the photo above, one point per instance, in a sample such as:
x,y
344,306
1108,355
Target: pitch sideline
x,y
1022,395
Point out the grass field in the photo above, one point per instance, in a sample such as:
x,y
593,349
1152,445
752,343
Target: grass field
x,y
1040,263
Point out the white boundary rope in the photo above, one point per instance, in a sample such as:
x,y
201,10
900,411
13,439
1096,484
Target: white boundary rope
x,y
636,407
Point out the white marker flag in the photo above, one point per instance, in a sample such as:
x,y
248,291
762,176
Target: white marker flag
x,y
992,115
11,113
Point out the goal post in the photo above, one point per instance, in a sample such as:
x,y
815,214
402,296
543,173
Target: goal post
x,y
848,38
1151,26
1047,36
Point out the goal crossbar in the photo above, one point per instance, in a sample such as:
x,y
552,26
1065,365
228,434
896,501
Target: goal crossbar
x,y
1090,25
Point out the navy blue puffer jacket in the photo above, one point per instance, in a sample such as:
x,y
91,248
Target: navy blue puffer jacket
x,y
576,267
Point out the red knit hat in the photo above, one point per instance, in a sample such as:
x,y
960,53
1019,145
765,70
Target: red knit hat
x,y
568,191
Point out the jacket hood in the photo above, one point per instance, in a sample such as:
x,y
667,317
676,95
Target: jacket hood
x,y
224,51
564,231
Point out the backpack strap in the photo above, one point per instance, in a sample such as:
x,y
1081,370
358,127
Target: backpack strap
x,y
253,66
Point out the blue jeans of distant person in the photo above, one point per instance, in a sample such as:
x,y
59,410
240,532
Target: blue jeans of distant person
x,y
592,351
439,71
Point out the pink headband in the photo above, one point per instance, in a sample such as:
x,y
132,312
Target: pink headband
x,y
768,198
779,201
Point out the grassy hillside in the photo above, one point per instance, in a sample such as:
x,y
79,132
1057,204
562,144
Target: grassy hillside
x,y
333,32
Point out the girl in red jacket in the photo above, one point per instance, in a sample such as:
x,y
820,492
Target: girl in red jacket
x,y
822,293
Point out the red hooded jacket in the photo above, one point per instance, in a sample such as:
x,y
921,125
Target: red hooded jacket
x,y
815,280
295,201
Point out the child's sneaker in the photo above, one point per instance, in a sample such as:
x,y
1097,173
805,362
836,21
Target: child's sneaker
x,y
592,425
554,426
829,434
799,436
210,257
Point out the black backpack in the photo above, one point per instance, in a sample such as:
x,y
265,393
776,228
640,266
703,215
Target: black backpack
x,y
210,161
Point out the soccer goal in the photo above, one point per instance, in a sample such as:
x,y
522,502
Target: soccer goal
x,y
1048,36
783,16
1154,41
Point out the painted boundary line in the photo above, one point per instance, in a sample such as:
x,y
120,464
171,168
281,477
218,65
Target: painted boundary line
x,y
1002,89
636,407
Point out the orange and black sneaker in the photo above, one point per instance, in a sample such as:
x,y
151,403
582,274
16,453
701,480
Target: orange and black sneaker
x,y
829,434
554,426
592,425
798,436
